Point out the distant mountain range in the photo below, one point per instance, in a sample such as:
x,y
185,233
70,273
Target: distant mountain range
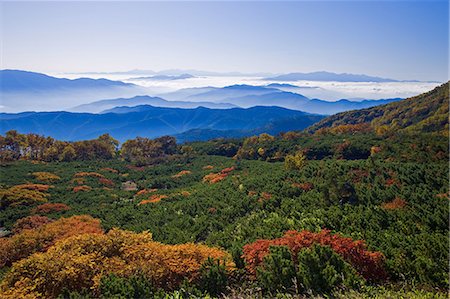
x,y
427,112
176,72
149,121
244,96
23,81
164,77
22,90
327,76
103,106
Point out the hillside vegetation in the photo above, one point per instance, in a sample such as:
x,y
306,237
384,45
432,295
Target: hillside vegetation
x,y
348,211
427,112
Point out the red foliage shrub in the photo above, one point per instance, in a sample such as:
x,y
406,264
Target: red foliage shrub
x,y
81,188
265,196
106,182
30,222
395,204
252,193
369,264
50,208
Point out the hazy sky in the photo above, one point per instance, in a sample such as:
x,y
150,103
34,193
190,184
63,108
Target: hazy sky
x,y
396,39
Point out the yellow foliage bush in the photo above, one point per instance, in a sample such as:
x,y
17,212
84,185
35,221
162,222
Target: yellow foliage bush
x,y
46,176
80,262
23,195
30,241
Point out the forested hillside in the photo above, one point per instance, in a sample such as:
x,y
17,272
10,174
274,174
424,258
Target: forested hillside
x,y
349,211
427,112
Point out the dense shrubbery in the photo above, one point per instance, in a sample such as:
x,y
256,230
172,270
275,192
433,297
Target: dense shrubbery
x,y
29,241
14,146
389,191
369,264
316,269
81,261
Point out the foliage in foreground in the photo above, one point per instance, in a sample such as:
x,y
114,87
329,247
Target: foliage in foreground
x,y
79,262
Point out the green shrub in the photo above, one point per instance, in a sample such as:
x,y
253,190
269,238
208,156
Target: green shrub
x,y
213,277
321,270
278,271
137,287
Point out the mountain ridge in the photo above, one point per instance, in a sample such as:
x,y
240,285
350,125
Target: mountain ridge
x,y
150,122
427,112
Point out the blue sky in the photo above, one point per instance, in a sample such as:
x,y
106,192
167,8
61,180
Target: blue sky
x,y
396,39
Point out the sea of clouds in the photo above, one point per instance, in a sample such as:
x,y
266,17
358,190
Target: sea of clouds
x,y
330,91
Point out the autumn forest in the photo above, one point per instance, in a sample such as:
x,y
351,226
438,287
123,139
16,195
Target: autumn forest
x,y
355,206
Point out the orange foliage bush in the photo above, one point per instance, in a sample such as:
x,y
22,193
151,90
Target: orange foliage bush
x,y
88,174
375,150
30,222
181,173
395,204
185,193
50,208
80,262
35,187
252,193
46,176
369,264
227,170
153,199
81,188
110,170
304,186
208,167
213,178
443,195
30,241
145,191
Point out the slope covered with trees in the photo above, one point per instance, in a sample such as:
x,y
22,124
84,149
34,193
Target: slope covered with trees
x,y
427,112
345,212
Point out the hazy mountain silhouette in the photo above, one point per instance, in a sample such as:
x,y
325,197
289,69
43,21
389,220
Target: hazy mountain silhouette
x,y
100,106
151,121
328,76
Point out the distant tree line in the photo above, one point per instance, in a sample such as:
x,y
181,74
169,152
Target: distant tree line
x,y
15,146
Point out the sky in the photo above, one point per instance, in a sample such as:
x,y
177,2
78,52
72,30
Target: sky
x,y
394,39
